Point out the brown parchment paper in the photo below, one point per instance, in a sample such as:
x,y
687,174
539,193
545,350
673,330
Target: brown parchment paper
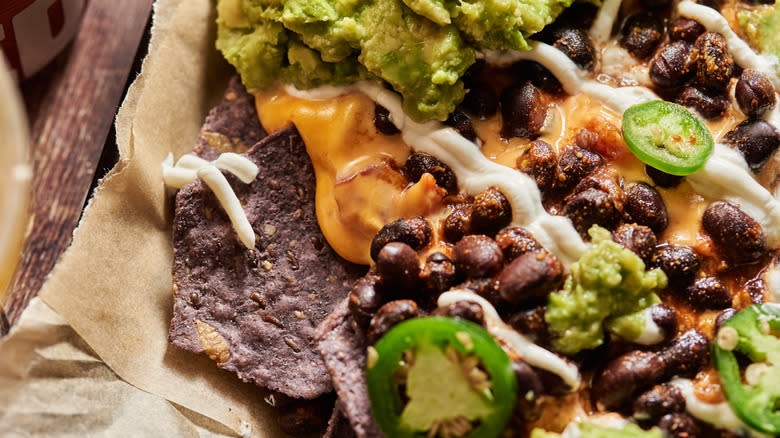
x,y
108,301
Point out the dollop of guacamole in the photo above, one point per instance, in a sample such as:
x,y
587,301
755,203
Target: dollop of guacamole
x,y
760,25
608,288
589,430
421,48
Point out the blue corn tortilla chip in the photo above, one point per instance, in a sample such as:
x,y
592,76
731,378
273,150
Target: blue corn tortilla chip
x,y
255,311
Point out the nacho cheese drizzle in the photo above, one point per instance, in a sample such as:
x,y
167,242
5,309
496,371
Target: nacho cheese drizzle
x,y
514,341
474,171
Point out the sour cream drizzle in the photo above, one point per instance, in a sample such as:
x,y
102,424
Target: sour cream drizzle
x,y
738,48
718,414
475,172
514,341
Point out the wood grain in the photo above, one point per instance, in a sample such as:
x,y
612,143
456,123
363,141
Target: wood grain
x,y
71,106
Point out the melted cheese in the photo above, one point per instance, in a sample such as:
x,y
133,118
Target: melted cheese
x,y
358,189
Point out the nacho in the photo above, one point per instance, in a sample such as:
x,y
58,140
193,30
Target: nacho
x,y
254,311
604,254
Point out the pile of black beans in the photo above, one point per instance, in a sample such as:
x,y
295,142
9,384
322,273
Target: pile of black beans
x,y
694,68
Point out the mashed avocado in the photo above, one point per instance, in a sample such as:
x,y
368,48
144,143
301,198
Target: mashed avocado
x,y
588,430
760,26
420,47
608,288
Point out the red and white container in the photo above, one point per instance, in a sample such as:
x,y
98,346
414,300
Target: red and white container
x,y
33,32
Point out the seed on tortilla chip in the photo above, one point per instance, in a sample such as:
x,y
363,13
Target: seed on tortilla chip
x,y
255,311
343,347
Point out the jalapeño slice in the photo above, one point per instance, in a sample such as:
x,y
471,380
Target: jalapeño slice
x,y
438,376
753,331
667,136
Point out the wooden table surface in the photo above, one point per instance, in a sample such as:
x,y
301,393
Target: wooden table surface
x,y
71,106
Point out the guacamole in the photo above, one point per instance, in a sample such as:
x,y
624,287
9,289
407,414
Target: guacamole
x,y
421,48
760,25
608,288
588,430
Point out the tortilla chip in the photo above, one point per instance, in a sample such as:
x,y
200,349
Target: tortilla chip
x,y
231,126
343,347
255,311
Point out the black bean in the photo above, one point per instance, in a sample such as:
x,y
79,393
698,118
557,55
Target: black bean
x,y
458,223
529,390
438,273
645,206
574,164
607,179
576,44
672,65
589,207
686,29
530,277
637,238
679,425
516,241
579,15
641,35
756,139
523,112
714,64
481,101
655,4
415,232
665,318
388,316
524,71
468,310
304,417
738,237
552,383
686,354
707,293
382,121
490,212
483,286
724,316
711,105
624,376
755,93
540,161
365,299
662,179
419,163
477,256
399,270
461,123
531,323
714,4
657,402
679,262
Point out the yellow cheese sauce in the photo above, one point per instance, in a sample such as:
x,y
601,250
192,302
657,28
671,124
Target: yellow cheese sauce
x,y
360,187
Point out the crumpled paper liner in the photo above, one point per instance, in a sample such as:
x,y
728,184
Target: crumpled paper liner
x,y
110,296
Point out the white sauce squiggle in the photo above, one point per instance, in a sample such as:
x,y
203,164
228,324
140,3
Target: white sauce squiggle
x,y
652,334
719,415
738,48
519,344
